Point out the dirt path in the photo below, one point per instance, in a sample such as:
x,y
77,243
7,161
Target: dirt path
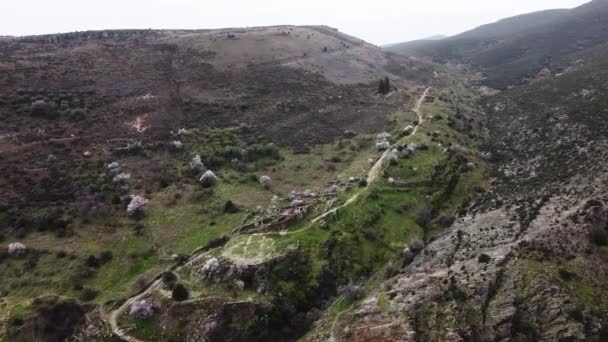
x,y
373,174
112,317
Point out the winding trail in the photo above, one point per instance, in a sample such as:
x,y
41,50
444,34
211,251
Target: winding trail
x,y
373,174
113,316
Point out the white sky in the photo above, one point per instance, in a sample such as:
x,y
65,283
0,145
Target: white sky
x,y
377,21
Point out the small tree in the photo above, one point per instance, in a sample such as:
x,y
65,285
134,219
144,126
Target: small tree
x,y
384,86
41,108
208,179
266,182
169,280
180,293
136,206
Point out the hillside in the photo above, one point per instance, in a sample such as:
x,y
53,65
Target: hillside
x,y
216,160
296,183
514,49
527,260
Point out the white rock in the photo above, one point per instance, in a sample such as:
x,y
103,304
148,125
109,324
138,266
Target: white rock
x,y
17,248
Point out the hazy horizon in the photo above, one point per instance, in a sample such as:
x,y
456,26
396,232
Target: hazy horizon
x,y
395,21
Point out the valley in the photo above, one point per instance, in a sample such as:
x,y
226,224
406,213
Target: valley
x,y
296,183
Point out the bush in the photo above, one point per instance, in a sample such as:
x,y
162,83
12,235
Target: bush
x,y
599,236
566,275
78,114
266,182
105,257
446,221
351,292
169,280
417,246
88,294
41,108
136,206
230,208
423,218
484,258
208,179
180,293
92,262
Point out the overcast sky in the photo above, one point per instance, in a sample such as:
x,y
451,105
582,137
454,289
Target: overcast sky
x,y
378,22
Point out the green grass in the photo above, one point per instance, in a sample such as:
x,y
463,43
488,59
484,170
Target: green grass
x,y
383,302
256,248
338,307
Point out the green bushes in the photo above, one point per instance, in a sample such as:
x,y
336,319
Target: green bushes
x,y
169,280
180,293
220,146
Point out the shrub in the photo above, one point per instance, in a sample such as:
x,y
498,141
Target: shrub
x,y
484,258
197,166
208,179
136,205
142,309
92,261
41,108
351,292
566,275
423,218
417,246
599,236
230,208
180,293
266,182
88,294
78,114
169,279
105,257
446,221
384,86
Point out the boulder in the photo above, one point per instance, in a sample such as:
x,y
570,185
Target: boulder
x,y
17,249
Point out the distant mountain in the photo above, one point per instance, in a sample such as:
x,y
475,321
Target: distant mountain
x,y
516,48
